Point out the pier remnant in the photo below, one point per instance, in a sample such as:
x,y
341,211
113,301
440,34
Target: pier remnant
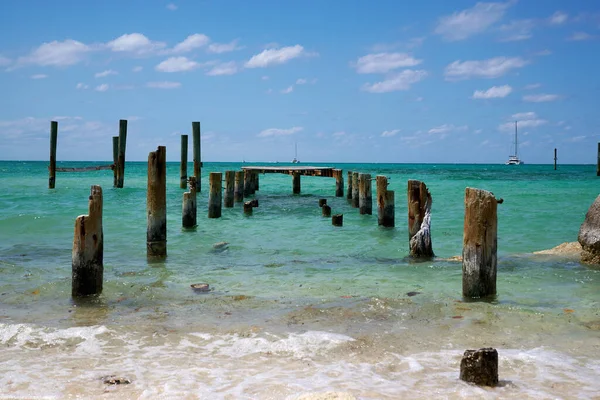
x,y
589,234
598,163
248,186
365,196
156,203
339,182
337,220
385,203
355,190
326,210
183,180
322,202
115,143
555,158
215,195
190,207
88,249
480,244
248,208
295,182
122,146
480,367
229,189
349,187
419,220
238,190
196,151
52,166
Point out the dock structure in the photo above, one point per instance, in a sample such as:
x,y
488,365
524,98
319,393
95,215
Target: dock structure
x,y
294,171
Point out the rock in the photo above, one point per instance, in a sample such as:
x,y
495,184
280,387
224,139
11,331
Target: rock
x,y
220,245
589,234
480,367
567,248
200,287
115,380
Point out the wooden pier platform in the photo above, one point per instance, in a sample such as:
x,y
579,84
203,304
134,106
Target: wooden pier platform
x,y
291,170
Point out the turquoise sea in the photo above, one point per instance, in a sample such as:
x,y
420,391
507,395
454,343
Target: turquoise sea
x,y
297,306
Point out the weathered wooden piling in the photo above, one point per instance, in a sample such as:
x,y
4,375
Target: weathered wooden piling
x,y
122,146
480,244
88,249
355,190
190,207
248,208
238,190
365,196
196,151
183,180
419,220
555,158
339,182
156,203
52,166
296,182
322,202
598,163
385,203
349,187
247,183
480,367
337,220
115,168
326,210
215,195
256,181
254,203
229,189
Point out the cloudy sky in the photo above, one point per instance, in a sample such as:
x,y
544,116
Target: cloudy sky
x,y
348,81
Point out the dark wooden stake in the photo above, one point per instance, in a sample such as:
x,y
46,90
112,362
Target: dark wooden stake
x,y
156,203
339,182
215,195
122,146
326,210
247,183
190,207
385,203
88,249
248,208
365,197
229,189
115,168
52,166
349,187
322,202
183,180
296,182
337,220
419,220
238,190
598,164
355,190
197,160
480,244
555,158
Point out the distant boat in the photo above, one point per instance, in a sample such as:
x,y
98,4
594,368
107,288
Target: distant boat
x,y
514,159
295,160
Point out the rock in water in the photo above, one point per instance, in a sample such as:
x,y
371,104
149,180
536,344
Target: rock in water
x,y
115,380
480,367
589,234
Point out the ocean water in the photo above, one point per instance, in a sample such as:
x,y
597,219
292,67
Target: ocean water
x,y
297,306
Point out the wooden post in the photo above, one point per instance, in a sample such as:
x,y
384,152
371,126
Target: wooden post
x,y
183,167
326,210
480,244
156,203
296,182
337,220
190,208
215,195
322,202
122,145
355,199
256,186
196,150
88,249
115,142
419,220
365,197
349,188
248,208
229,189
385,203
238,190
598,164
339,182
555,158
52,166
247,183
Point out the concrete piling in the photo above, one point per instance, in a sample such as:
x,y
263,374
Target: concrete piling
x,y
190,207
365,196
238,190
183,180
52,166
355,190
88,249
215,195
197,159
156,203
122,146
229,189
295,182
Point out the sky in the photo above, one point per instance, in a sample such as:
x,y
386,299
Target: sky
x,y
388,81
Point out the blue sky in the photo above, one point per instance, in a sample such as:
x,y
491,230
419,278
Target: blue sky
x,y
348,81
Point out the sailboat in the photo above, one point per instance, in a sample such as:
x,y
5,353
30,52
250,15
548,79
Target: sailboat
x,y
295,160
514,159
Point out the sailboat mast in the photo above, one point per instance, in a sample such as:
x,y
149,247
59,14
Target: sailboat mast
x,y
516,140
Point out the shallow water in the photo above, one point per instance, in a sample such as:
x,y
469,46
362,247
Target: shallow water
x,y
296,305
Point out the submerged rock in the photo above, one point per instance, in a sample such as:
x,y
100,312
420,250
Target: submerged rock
x,y
567,248
480,367
115,380
589,234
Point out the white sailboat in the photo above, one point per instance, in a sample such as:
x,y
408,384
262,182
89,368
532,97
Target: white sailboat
x,y
514,159
295,160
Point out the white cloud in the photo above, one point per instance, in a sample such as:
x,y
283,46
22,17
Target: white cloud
x,y
517,30
540,98
399,81
264,78
384,62
81,86
301,81
338,134
525,120
4,61
280,132
524,116
393,132
287,90
490,68
580,36
543,53
101,88
575,139
446,128
135,43
493,92
105,73
219,48
163,85
558,18
39,76
177,64
471,21
227,68
275,56
137,69
57,54
171,7
191,42
532,86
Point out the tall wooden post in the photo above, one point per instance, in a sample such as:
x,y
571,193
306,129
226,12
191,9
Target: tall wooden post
x,y
247,183
215,195
339,182
122,146
256,181
480,244
598,164
365,198
349,189
229,189
419,220
88,249
295,182
197,159
115,142
238,190
355,190
52,166
156,203
184,161
385,203
189,207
